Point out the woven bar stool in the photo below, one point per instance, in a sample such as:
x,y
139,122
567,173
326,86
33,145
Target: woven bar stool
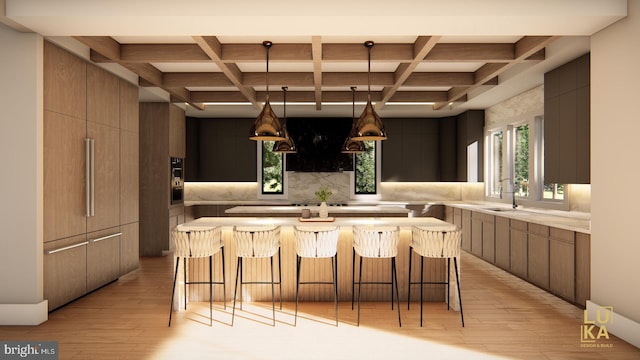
x,y
317,242
257,242
375,243
439,245
192,242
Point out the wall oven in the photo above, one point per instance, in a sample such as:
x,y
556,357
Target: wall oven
x,y
177,181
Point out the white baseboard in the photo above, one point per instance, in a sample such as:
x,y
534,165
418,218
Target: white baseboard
x,y
620,326
24,314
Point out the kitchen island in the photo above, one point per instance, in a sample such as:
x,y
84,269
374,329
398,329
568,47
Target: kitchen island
x,y
335,210
320,270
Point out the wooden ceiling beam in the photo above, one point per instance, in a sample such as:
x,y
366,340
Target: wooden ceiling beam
x,y
158,53
328,96
422,46
279,79
232,53
190,79
358,52
524,48
256,52
104,45
316,55
111,49
212,47
472,52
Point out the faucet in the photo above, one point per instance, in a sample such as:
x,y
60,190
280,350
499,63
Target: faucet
x,y
513,193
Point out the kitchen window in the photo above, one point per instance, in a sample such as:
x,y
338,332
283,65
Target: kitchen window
x,y
272,170
366,170
515,165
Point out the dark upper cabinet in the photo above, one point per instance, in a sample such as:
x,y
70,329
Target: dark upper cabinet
x,y
430,149
411,153
567,123
470,129
220,150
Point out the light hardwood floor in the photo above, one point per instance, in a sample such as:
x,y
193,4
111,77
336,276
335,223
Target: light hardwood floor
x,y
505,318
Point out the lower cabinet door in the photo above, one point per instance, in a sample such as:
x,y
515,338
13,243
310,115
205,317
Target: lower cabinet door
x,y
129,247
65,270
538,260
103,257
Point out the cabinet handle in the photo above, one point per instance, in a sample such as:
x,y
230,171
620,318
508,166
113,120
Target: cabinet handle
x,y
105,237
92,208
66,248
89,154
87,176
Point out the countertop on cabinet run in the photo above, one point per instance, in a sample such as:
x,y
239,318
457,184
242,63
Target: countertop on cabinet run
x,y
296,210
405,223
568,220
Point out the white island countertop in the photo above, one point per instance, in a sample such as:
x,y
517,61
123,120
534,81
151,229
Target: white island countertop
x,y
405,223
280,210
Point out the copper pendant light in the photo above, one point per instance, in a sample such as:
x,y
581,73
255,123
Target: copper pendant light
x,y
369,126
351,146
286,146
267,125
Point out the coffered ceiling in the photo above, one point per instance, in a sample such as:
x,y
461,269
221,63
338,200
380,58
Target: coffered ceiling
x,y
474,56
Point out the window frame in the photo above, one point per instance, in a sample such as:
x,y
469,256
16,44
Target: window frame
x,y
260,175
378,170
535,120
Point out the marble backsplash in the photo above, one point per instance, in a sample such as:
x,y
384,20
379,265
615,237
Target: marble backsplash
x,y
302,186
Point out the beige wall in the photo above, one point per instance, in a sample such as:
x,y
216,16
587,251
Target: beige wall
x,y
21,297
615,130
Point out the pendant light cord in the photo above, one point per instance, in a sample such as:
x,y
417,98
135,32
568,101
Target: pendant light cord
x,y
353,102
267,44
369,45
284,105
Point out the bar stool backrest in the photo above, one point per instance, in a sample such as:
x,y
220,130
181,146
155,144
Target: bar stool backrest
x,y
257,242
436,243
196,242
316,241
379,242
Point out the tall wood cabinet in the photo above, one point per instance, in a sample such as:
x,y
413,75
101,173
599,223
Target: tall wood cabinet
x,y
162,136
84,177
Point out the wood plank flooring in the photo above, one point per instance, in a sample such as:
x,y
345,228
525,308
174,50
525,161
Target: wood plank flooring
x,y
505,318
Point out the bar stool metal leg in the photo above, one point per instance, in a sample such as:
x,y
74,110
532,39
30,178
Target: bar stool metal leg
x,y
224,282
280,275
184,265
359,289
409,282
298,265
334,272
395,274
173,292
211,290
353,277
455,264
273,295
235,291
421,283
